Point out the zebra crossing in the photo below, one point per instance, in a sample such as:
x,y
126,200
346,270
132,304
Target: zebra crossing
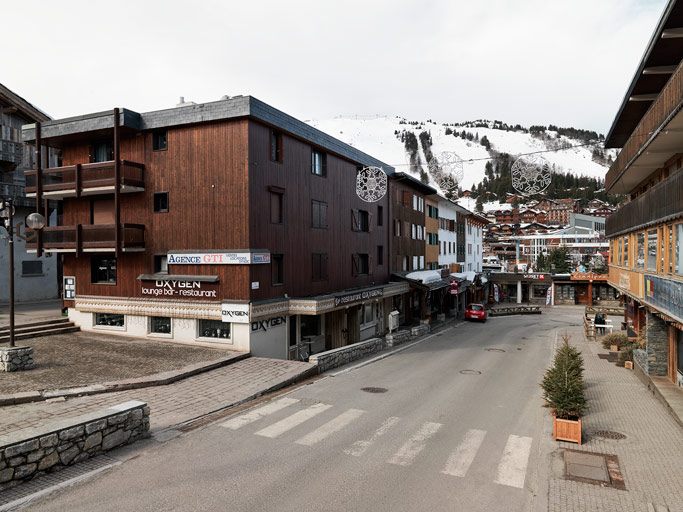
x,y
510,471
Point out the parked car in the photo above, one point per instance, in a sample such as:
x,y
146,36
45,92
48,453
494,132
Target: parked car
x,y
476,312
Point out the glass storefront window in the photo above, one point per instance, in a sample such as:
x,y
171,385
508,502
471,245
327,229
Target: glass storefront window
x,y
679,250
214,329
109,320
160,325
310,326
640,259
626,251
652,250
671,249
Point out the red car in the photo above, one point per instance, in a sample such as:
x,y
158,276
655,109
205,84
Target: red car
x,y
476,312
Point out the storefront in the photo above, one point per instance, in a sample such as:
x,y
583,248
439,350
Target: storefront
x,y
586,288
530,288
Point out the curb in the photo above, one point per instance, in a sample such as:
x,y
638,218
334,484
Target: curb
x,y
157,379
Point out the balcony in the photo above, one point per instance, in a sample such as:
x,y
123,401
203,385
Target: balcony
x,y
652,142
88,238
86,180
662,202
11,152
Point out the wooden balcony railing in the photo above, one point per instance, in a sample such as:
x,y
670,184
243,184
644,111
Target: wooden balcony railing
x,y
76,179
659,204
85,237
662,109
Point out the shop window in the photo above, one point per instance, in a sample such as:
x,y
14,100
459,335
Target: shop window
x,y
311,326
640,245
652,250
103,269
368,314
626,251
31,268
160,325
109,320
214,329
159,140
678,268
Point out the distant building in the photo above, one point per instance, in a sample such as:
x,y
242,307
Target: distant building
x,y
448,238
591,222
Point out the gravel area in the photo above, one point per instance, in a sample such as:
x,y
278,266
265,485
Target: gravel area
x,y
79,359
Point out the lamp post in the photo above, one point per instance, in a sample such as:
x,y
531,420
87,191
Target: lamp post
x,y
34,221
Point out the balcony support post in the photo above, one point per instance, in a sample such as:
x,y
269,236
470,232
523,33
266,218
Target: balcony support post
x,y
39,187
79,180
79,239
117,182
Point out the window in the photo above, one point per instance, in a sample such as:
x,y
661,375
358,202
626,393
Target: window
x,y
432,239
277,267
31,268
416,263
432,211
214,329
109,320
678,268
360,220
380,215
413,231
161,202
103,269
469,229
626,251
102,151
276,207
652,250
671,249
469,248
380,255
311,326
368,315
421,204
640,244
319,266
422,262
404,263
160,325
160,264
159,141
318,214
361,264
318,163
397,228
275,146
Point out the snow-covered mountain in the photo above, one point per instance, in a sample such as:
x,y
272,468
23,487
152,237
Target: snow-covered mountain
x,y
380,136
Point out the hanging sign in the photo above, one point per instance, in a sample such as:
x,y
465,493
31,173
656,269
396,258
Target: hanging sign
x,y
235,313
218,258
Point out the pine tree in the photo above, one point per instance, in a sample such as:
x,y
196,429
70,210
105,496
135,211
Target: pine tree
x,y
563,386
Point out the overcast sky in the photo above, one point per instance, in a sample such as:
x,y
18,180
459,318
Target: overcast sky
x,y
520,61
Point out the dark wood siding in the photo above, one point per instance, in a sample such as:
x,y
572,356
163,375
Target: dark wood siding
x,y
295,238
402,211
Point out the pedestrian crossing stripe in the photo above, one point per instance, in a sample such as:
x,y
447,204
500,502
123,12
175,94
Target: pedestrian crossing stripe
x,y
463,456
360,447
330,427
412,448
257,414
512,467
296,419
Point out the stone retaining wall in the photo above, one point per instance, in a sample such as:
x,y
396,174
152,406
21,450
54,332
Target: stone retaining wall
x,y
14,359
396,338
419,330
343,355
27,453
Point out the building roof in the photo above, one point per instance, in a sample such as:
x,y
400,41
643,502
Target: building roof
x,y
661,57
413,182
24,108
59,131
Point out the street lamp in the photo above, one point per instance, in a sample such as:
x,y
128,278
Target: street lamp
x,y
34,221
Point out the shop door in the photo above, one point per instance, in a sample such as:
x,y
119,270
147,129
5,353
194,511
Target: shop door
x,y
582,294
353,324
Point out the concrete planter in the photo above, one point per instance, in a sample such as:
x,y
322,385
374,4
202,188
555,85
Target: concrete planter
x,y
15,359
567,430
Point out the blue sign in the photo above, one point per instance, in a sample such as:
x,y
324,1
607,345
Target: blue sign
x,y
665,294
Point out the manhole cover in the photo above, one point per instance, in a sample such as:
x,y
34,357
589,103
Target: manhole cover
x,y
374,390
608,434
519,348
495,350
593,468
470,372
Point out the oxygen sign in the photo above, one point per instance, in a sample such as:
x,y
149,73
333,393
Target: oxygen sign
x,y
235,313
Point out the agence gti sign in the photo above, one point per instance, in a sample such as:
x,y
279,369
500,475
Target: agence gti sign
x,y
218,258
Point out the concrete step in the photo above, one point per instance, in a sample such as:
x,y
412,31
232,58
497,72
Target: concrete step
x,y
4,338
52,321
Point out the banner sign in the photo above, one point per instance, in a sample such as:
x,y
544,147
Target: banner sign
x,y
218,258
666,294
352,298
180,289
235,313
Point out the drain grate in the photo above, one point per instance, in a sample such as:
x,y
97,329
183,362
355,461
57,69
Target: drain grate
x,y
495,350
608,434
374,390
470,372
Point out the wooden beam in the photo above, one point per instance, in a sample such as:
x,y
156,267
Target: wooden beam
x,y
659,70
117,183
643,97
672,33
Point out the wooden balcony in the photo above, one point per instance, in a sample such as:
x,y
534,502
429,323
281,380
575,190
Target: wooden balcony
x,y
660,114
86,180
662,202
88,238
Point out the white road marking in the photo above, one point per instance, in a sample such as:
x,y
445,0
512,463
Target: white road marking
x,y
512,467
461,459
360,447
292,421
412,448
257,414
330,427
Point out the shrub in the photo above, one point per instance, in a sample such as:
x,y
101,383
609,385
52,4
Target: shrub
x,y
616,338
563,383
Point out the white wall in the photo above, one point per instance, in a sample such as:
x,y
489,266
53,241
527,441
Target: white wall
x,y
473,237
447,211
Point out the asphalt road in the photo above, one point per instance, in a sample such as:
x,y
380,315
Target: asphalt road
x,y
459,427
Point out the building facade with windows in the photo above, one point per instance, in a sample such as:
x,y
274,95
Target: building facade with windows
x,y
474,240
225,222
36,278
448,238
646,233
432,232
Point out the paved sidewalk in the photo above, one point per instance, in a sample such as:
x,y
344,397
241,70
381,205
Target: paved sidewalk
x,y
28,312
172,404
650,456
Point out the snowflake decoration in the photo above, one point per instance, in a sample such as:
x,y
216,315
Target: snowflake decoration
x,y
447,171
371,184
530,175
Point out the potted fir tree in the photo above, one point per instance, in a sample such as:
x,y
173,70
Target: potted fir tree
x,y
563,392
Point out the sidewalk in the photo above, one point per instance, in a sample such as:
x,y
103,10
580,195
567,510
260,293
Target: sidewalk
x,y
649,457
28,312
174,403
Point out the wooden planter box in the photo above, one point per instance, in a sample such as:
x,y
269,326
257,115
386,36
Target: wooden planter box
x,y
567,430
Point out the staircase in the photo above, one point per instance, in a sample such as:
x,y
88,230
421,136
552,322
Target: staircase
x,y
36,329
